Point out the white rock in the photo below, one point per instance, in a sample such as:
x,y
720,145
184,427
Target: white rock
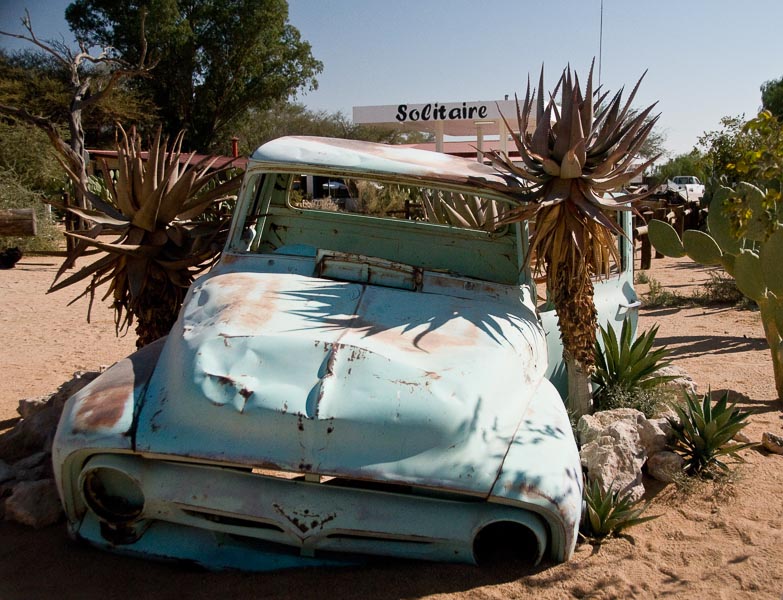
x,y
664,466
772,442
681,385
28,407
593,426
654,434
614,465
34,503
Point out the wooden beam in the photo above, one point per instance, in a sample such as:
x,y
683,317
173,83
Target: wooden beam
x,y
17,222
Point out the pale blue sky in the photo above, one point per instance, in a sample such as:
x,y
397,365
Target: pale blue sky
x,y
706,58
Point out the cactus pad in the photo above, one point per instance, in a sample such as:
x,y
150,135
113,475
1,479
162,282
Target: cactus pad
x,y
701,247
747,273
719,225
771,256
665,239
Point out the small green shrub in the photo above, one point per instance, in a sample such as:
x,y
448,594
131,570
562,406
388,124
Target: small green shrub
x,y
623,366
650,401
657,297
609,512
705,432
642,277
722,289
14,194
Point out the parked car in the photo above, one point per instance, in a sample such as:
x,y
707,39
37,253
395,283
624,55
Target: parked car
x,y
688,186
340,384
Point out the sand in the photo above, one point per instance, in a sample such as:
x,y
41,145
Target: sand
x,y
713,540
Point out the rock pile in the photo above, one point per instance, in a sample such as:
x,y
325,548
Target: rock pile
x,y
28,493
617,444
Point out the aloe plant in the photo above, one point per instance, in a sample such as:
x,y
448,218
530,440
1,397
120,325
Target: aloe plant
x,y
752,253
626,363
703,433
462,210
581,150
609,512
167,224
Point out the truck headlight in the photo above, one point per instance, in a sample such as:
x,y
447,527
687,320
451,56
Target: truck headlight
x,y
113,495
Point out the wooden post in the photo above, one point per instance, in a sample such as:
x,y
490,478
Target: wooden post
x,y
17,222
640,233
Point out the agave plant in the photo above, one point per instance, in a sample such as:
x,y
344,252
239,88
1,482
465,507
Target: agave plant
x,y
628,364
609,512
578,153
166,216
462,210
703,432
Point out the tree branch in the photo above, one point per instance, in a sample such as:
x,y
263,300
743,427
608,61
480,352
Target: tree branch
x,y
28,25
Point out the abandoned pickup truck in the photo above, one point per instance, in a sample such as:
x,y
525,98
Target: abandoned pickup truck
x,y
342,383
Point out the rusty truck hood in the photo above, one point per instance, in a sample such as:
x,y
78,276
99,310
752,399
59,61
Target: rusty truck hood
x,y
288,371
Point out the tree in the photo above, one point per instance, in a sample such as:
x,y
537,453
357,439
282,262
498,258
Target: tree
x,y
691,163
578,152
217,59
29,174
653,146
772,97
725,147
290,118
42,85
84,90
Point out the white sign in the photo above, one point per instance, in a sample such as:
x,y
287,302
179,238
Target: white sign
x,y
441,112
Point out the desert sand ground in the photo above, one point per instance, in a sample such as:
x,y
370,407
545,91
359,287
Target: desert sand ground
x,y
712,541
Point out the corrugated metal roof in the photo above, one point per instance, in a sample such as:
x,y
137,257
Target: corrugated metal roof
x,y
221,161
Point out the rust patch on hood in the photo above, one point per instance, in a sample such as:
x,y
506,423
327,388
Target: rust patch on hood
x,y
108,403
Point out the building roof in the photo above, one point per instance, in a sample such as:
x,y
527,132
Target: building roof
x,y
220,161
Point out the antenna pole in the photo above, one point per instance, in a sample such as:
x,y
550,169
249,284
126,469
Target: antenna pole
x,y
600,43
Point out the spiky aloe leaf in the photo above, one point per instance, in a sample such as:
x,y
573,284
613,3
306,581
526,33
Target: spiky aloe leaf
x,y
704,432
158,251
609,512
626,363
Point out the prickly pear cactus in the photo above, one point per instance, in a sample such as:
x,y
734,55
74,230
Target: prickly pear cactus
x,y
752,253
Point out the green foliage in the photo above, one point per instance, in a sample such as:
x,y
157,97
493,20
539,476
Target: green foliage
x,y
692,163
217,59
291,118
16,193
648,401
623,364
642,277
41,84
658,297
722,289
725,148
703,433
29,173
610,512
27,154
755,260
772,97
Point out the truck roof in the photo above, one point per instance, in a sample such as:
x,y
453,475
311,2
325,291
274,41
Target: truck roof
x,y
320,153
